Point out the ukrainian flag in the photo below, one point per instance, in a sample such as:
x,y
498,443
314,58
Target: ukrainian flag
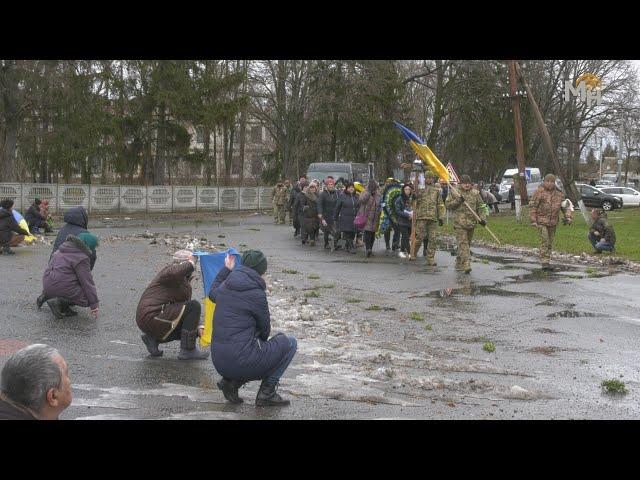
x,y
424,152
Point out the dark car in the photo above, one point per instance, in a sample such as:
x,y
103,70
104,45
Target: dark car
x,y
593,197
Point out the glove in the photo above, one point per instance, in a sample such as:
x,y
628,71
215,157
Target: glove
x,y
483,223
440,222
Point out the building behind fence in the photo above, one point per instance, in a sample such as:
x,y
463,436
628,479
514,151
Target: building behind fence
x,y
132,198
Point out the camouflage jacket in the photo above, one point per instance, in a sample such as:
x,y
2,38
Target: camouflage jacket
x,y
279,196
429,203
545,206
604,229
463,218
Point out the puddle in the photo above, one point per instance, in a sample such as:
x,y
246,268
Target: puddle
x,y
546,330
573,314
546,350
473,291
194,394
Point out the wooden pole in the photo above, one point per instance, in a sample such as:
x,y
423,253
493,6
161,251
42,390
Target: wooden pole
x,y
412,249
452,188
515,102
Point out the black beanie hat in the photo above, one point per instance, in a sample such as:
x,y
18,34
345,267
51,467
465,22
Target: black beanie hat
x,y
256,260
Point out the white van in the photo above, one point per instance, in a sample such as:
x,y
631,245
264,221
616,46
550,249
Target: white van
x,y
534,179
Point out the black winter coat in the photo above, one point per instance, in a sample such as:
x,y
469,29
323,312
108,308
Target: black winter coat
x,y
346,211
327,205
8,224
241,348
33,215
76,223
400,205
296,208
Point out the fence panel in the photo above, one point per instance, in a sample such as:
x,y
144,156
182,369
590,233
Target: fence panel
x,y
160,199
14,192
249,198
133,199
229,198
184,198
208,198
70,196
265,197
43,191
104,198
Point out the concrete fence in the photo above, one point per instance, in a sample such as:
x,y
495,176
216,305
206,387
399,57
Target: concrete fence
x,y
133,198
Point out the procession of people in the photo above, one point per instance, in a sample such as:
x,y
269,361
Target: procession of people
x,y
243,348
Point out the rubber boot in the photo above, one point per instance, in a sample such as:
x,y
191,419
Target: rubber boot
x,y
267,396
230,390
56,307
152,345
188,350
67,311
41,299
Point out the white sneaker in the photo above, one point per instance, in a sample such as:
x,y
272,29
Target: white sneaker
x,y
402,255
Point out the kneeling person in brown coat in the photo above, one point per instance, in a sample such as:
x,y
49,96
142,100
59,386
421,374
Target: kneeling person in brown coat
x,y
166,312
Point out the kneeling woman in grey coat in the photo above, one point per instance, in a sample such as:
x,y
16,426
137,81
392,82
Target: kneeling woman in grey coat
x,y
241,349
67,281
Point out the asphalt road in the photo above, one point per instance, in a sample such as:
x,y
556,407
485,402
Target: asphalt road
x,y
419,355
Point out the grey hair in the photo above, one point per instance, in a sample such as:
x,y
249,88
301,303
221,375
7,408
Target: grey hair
x,y
28,375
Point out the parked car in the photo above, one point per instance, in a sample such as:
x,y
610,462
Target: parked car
x,y
592,197
629,196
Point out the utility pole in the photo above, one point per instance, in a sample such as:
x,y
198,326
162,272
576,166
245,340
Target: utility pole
x,y
620,140
515,102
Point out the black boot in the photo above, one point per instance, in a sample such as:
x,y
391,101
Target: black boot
x,y
7,251
65,306
152,345
267,396
56,307
41,299
230,389
188,350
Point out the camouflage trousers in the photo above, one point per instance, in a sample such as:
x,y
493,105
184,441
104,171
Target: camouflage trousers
x,y
464,237
426,231
278,213
547,235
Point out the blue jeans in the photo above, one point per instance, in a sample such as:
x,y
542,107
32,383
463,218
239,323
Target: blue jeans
x,y
599,243
275,376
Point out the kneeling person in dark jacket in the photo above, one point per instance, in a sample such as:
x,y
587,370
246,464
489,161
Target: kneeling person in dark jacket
x,y
67,280
166,312
601,234
241,348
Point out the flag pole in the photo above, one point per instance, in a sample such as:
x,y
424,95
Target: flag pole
x,y
451,187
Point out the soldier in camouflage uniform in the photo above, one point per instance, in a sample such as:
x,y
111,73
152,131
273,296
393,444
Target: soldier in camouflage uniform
x,y
544,212
279,198
429,209
464,222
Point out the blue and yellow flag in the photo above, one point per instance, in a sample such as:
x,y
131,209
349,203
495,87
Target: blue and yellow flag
x,y
424,152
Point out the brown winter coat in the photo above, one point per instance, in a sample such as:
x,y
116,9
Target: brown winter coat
x,y
371,206
309,208
545,206
161,306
